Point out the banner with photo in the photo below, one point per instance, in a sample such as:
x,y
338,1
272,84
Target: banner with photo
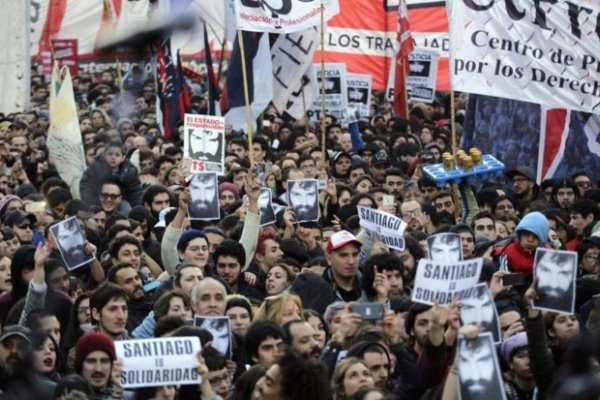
x,y
478,307
282,16
445,281
159,362
204,143
383,227
336,98
555,272
359,92
546,53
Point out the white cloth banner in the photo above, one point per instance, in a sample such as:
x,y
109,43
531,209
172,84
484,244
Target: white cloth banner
x,y
159,362
282,16
383,227
443,282
541,52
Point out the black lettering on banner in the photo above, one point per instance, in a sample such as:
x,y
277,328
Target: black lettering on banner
x,y
35,11
159,362
286,5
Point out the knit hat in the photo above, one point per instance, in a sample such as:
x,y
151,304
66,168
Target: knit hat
x,y
515,342
230,187
5,200
187,237
89,343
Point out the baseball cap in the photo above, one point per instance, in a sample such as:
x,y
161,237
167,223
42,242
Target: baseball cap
x,y
340,239
18,216
524,171
380,158
16,330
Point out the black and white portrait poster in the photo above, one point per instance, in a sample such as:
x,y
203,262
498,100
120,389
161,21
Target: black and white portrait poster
x,y
220,330
71,243
478,371
204,143
555,271
204,204
265,207
444,247
478,307
303,198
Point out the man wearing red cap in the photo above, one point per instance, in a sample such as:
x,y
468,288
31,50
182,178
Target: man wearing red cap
x,y
342,274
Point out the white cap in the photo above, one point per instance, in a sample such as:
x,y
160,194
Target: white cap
x,y
340,239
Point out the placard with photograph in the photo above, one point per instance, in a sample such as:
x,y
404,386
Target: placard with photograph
x,y
71,243
479,374
303,198
204,204
221,331
555,271
445,247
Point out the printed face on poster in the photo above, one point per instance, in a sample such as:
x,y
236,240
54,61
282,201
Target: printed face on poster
x,y
265,207
478,308
71,243
303,198
444,247
204,204
204,143
555,271
478,369
220,330
159,361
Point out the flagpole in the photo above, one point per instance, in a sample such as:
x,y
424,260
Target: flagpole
x,y
404,83
304,111
453,123
246,95
323,135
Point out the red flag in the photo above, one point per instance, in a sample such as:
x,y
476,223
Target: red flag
x,y
402,65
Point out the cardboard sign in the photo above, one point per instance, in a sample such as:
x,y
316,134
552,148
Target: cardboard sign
x,y
383,227
71,243
359,92
159,362
336,98
478,307
204,143
220,329
303,198
420,82
443,282
204,204
555,271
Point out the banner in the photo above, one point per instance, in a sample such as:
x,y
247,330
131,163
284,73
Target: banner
x,y
66,53
159,362
291,16
294,77
336,97
359,92
204,143
383,227
543,53
445,281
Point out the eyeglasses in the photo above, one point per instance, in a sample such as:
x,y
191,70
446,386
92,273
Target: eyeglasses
x,y
112,196
412,213
520,180
218,379
25,225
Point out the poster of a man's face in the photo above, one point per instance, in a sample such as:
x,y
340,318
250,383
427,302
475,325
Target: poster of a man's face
x,y
221,331
205,145
303,197
71,243
478,370
445,248
205,197
479,308
265,207
555,274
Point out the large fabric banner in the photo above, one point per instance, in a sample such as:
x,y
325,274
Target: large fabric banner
x,y
542,52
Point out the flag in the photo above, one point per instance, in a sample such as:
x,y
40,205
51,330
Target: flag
x,y
168,90
259,69
185,98
402,64
211,81
64,142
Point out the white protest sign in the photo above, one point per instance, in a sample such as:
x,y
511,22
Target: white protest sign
x,y
159,362
204,143
336,98
359,92
383,226
542,52
281,16
420,82
443,282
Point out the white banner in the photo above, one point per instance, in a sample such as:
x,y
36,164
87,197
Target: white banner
x,y
383,226
204,143
359,92
541,52
443,282
159,362
420,82
336,98
282,16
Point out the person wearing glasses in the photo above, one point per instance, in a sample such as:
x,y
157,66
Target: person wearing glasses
x,y
411,213
22,224
110,197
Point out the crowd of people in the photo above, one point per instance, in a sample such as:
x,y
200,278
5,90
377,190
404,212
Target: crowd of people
x,y
289,289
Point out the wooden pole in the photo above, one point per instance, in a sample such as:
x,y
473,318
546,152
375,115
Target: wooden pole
x,y
304,111
405,90
323,135
246,96
453,123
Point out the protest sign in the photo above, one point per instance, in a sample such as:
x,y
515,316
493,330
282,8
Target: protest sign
x,y
303,198
445,281
478,370
444,247
204,142
359,92
543,53
204,204
158,362
336,99
281,16
220,330
423,72
71,243
383,227
478,307
555,272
